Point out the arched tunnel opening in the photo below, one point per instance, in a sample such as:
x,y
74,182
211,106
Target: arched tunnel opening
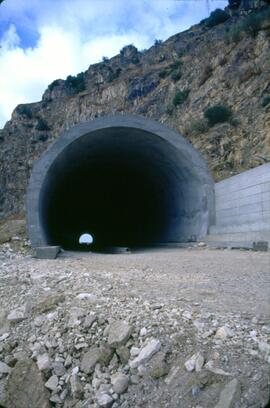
x,y
127,182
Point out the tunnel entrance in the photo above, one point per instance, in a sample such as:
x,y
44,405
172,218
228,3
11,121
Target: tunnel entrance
x,y
128,180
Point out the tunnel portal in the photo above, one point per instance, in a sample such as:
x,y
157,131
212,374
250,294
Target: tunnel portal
x,y
127,181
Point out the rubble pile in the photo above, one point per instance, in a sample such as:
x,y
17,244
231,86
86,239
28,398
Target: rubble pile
x,y
82,332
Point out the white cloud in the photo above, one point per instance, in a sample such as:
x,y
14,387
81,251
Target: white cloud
x,y
75,34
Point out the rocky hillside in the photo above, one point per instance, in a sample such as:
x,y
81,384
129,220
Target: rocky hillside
x,y
222,63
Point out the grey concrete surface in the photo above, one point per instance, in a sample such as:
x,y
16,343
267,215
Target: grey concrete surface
x,y
47,252
126,180
243,207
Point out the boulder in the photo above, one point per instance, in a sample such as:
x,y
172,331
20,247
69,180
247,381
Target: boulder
x,y
26,388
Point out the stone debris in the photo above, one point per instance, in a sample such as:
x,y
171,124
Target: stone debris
x,y
3,391
25,387
4,368
58,368
49,303
17,315
126,349
90,359
52,383
119,382
87,296
152,347
158,366
195,362
224,332
210,366
227,394
43,362
143,332
119,333
76,385
104,400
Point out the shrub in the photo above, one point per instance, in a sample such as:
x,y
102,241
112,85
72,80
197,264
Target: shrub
x,y
234,34
217,114
235,122
217,16
176,75
54,84
197,126
253,22
180,97
162,74
265,101
173,69
42,125
175,65
169,110
208,70
24,110
158,42
250,25
77,83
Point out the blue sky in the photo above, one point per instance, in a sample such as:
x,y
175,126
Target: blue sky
x,y
42,40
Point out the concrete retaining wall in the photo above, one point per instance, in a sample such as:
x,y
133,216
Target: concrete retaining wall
x,y
243,207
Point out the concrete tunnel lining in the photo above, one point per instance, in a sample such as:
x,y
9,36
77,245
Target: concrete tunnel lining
x,y
127,180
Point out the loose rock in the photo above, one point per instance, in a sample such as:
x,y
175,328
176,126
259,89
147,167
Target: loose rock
x,y
4,368
104,400
52,383
119,333
26,387
228,394
120,383
90,359
146,353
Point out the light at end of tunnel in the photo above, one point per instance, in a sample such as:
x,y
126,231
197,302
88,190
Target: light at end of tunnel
x,y
86,239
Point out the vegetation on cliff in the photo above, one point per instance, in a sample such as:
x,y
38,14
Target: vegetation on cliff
x,y
223,66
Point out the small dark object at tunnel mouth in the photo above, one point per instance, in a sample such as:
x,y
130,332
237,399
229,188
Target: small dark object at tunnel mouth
x,y
129,180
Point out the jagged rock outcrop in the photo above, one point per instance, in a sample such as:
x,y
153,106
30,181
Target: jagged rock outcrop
x,y
173,82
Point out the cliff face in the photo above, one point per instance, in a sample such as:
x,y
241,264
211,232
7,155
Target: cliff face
x,y
173,82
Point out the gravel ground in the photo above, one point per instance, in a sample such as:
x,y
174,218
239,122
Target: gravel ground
x,y
154,328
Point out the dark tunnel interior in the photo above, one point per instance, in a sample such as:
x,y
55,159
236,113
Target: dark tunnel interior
x,y
124,186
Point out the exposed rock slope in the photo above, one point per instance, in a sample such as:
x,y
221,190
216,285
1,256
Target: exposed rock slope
x,y
172,82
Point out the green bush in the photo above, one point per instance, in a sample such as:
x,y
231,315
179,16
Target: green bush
x,y
55,83
77,83
234,34
174,69
217,16
217,114
176,75
251,25
42,125
197,126
207,73
24,110
163,74
176,65
169,110
254,21
235,121
265,101
180,97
